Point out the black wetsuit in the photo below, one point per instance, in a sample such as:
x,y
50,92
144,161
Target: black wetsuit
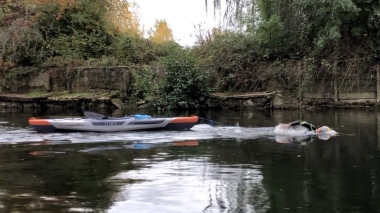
x,y
305,124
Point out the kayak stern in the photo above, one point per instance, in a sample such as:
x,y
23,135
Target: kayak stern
x,y
182,123
41,125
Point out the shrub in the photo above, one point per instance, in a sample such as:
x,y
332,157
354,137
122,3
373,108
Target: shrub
x,y
183,85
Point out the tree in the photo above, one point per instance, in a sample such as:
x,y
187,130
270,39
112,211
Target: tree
x,y
184,84
123,15
236,12
19,39
62,3
308,22
161,32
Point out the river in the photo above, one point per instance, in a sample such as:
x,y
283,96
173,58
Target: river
x,y
236,164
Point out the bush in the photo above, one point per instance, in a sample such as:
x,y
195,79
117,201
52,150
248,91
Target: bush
x,y
141,85
184,85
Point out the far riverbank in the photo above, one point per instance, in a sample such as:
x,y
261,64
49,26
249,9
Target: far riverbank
x,y
104,99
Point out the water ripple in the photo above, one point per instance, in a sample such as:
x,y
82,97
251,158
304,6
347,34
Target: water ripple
x,y
18,135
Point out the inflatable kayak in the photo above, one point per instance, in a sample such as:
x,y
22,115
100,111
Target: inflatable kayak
x,y
95,122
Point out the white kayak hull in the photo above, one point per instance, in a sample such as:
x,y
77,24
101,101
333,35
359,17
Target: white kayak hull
x,y
112,124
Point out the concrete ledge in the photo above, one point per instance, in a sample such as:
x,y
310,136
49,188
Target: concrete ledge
x,y
354,96
221,96
21,99
315,95
370,100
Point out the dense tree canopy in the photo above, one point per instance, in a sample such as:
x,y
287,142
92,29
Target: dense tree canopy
x,y
298,24
290,40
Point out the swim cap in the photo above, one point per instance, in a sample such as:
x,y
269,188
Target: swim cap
x,y
323,129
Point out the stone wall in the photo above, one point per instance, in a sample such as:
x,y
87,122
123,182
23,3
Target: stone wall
x,y
349,91
36,81
332,90
75,80
81,79
115,78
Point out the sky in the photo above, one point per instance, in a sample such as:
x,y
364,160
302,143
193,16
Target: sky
x,y
181,15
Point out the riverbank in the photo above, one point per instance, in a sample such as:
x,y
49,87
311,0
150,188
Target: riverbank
x,y
107,99
63,100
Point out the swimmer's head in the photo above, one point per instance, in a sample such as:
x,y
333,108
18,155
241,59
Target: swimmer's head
x,y
323,129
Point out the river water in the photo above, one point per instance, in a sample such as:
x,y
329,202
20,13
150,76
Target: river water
x,y
236,164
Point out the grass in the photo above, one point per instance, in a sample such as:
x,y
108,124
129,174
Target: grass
x,y
35,94
223,94
72,94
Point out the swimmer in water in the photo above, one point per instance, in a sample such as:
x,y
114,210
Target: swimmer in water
x,y
310,127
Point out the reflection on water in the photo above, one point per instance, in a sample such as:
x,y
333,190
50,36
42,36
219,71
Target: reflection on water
x,y
192,185
211,169
199,132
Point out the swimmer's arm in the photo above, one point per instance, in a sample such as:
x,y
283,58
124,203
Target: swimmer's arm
x,y
295,123
288,125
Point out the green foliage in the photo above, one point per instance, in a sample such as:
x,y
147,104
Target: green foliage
x,y
306,26
21,45
87,45
271,37
16,74
289,40
134,50
184,85
234,57
74,31
104,61
141,85
78,30
20,41
64,38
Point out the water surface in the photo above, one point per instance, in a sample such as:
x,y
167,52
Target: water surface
x,y
236,165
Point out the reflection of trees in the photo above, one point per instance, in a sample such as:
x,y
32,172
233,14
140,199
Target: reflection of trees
x,y
74,179
240,189
238,178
